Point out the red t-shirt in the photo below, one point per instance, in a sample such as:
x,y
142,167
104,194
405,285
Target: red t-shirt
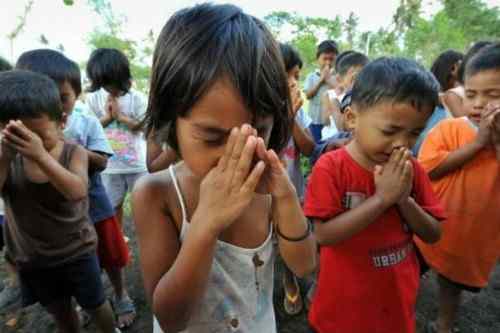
x,y
369,282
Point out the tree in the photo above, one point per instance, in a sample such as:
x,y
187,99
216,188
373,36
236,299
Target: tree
x,y
350,28
12,36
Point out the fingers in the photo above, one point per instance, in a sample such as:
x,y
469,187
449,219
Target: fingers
x,y
274,160
261,150
224,160
407,176
244,163
18,129
254,178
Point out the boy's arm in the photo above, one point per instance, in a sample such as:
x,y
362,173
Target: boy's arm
x,y
457,158
423,224
300,133
6,157
97,161
349,223
72,183
313,90
158,159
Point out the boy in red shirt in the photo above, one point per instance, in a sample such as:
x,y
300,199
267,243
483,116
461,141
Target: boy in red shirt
x,y
368,199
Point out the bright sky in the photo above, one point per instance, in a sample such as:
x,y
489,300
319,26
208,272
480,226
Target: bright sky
x,y
71,25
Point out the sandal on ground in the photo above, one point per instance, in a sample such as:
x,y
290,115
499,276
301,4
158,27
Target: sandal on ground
x,y
431,327
292,302
123,307
84,316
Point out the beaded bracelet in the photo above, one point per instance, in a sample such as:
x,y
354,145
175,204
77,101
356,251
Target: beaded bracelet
x,y
297,239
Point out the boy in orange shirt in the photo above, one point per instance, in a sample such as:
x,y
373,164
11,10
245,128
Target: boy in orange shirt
x,y
460,158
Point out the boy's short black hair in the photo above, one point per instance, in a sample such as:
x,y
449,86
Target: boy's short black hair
x,y
327,46
203,44
443,65
25,94
395,80
4,65
291,57
109,67
473,50
54,64
353,59
488,58
340,57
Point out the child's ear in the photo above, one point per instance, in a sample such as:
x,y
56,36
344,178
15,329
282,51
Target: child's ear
x,y
350,117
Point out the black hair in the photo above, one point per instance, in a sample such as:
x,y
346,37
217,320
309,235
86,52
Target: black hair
x,y
475,48
350,60
488,58
327,46
291,57
396,80
346,101
202,44
25,94
4,65
443,66
340,57
109,67
54,64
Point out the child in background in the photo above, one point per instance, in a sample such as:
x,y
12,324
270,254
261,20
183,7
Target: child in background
x,y
120,110
445,69
299,144
10,293
367,200
43,179
460,158
347,67
318,82
205,226
452,99
86,130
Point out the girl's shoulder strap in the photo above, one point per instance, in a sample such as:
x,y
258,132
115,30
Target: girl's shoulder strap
x,y
179,193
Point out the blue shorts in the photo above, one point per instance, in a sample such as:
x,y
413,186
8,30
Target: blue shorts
x,y
80,278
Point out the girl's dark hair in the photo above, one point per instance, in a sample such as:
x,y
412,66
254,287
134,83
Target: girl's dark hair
x,y
25,94
205,43
53,64
443,66
4,65
109,67
488,58
396,80
475,48
327,46
291,57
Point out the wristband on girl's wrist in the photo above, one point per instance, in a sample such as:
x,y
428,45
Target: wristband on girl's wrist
x,y
295,239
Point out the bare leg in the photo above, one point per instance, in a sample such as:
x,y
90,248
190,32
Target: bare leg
x,y
65,316
449,302
117,279
104,318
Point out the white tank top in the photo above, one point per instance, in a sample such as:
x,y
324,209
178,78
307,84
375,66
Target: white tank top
x,y
239,294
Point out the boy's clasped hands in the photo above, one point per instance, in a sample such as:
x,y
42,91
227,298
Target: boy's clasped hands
x,y
489,128
16,137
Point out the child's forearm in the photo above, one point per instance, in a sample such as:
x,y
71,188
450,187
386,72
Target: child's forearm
x,y
314,90
424,225
455,160
183,286
97,161
300,256
132,124
106,120
349,223
72,186
302,139
161,161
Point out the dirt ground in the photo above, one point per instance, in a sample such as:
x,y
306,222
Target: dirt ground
x,y
479,314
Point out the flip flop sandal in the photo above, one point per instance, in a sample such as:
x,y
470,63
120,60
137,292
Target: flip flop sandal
x,y
292,304
431,327
123,307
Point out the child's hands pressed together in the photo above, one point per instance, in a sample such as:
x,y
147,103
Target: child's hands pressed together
x,y
325,74
297,100
394,180
230,186
275,178
8,152
486,129
24,141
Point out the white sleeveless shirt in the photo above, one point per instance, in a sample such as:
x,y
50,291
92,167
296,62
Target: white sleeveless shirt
x,y
239,293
